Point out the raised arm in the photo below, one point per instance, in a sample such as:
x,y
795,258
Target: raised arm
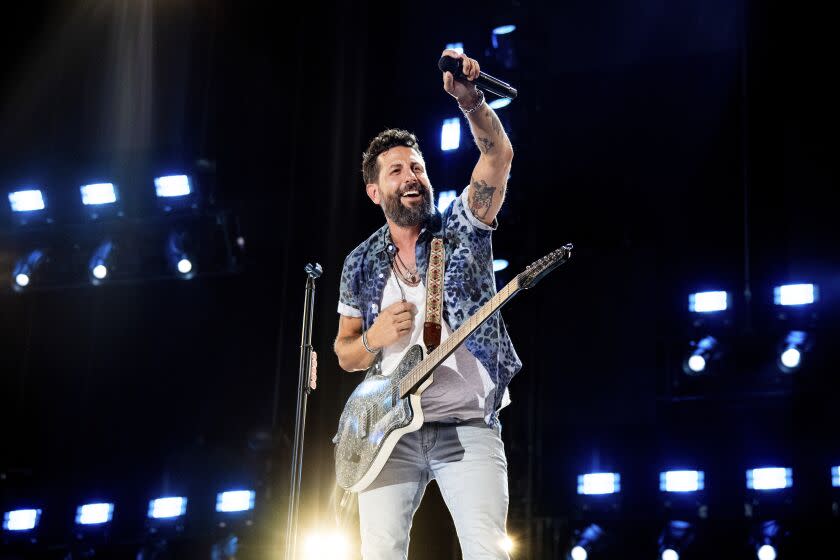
x,y
489,178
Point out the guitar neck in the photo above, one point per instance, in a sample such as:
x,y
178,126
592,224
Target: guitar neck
x,y
424,369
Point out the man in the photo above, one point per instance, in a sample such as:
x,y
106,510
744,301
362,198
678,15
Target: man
x,y
382,311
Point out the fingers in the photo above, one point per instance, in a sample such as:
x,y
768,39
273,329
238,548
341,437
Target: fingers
x,y
469,66
448,82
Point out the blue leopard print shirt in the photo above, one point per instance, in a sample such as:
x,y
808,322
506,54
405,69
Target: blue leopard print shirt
x,y
468,284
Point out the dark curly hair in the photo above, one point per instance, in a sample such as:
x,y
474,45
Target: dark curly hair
x,y
384,141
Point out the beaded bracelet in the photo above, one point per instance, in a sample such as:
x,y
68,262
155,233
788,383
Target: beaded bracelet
x,y
478,103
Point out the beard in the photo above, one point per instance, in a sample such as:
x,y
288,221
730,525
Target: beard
x,y
408,216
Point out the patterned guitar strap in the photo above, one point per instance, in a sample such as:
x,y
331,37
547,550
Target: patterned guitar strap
x,y
434,296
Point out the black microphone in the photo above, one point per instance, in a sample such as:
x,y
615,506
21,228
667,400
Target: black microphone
x,y
484,81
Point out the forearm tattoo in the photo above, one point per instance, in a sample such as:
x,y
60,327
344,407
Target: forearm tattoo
x,y
497,124
481,198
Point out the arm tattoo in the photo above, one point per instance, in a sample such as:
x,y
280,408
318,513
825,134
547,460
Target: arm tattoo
x,y
482,198
484,145
497,124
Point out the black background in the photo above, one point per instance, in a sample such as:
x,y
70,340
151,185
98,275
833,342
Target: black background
x,y
680,147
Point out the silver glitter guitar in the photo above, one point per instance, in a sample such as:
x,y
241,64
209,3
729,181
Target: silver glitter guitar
x,y
384,407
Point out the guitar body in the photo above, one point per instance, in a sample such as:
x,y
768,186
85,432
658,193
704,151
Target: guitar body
x,y
373,420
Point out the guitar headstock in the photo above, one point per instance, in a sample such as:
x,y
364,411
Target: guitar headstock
x,y
534,272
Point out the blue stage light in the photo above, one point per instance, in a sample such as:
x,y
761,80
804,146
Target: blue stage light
x,y
499,103
588,541
167,508
499,265
100,262
708,302
670,554
173,185
504,29
681,481
445,198
769,478
795,294
792,349
599,483
675,539
178,255
703,352
21,519
27,268
98,193
450,134
766,552
457,47
28,200
579,553
94,514
235,500
835,476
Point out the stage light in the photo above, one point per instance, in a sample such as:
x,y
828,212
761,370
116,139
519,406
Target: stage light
x,y
586,542
599,483
675,539
445,198
225,549
500,103
766,552
670,554
835,476
767,537
794,345
499,265
28,200
235,500
21,519
179,256
681,481
98,193
100,261
769,478
507,544
331,544
26,269
450,134
504,50
457,47
708,302
503,30
173,185
579,553
704,351
795,294
94,514
167,508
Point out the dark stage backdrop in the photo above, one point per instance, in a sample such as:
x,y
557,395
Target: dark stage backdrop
x,y
679,147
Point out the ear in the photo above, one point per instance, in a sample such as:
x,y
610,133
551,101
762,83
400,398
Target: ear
x,y
373,193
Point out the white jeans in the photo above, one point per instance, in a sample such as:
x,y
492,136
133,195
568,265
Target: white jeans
x,y
468,461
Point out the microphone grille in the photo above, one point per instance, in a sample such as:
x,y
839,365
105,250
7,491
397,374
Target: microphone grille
x,y
449,64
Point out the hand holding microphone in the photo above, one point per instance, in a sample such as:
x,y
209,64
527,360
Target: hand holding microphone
x,y
461,75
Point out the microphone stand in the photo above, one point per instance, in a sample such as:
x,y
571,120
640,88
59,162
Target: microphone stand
x,y
313,272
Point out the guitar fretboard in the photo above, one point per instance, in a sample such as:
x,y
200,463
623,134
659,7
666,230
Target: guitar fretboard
x,y
422,370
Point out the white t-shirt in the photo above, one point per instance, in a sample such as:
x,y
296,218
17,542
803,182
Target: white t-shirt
x,y
461,384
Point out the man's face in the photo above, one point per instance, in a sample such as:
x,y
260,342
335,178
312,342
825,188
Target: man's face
x,y
403,189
